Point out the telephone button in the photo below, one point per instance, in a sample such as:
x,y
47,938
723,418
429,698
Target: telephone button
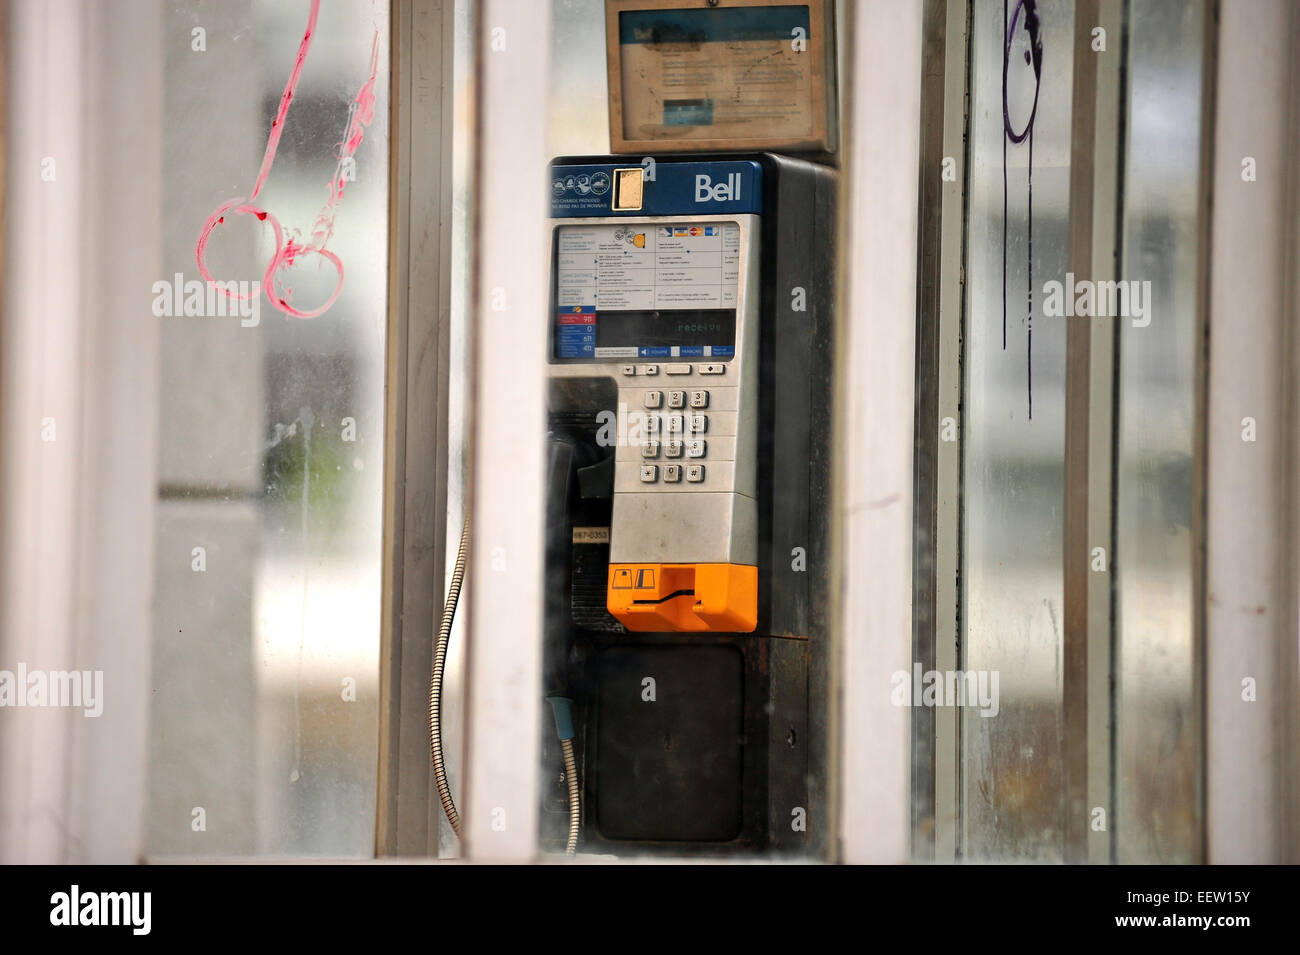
x,y
677,399
650,450
699,399
649,369
672,473
653,399
713,369
677,369
697,423
695,448
695,473
672,449
649,473
628,369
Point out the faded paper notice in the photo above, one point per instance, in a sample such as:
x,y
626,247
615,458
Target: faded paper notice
x,y
718,74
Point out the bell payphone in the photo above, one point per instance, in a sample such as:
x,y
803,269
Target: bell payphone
x,y
658,292
689,399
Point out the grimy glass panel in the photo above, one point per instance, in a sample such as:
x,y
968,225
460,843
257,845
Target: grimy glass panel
x,y
1158,750
1011,789
265,664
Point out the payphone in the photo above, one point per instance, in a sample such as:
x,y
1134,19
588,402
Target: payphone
x,y
686,567
655,288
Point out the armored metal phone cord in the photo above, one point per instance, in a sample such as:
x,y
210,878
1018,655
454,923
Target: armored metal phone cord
x,y
435,680
435,709
575,814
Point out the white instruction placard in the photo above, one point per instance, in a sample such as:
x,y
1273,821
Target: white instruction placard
x,y
619,267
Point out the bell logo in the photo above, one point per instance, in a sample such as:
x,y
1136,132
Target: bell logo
x,y
706,191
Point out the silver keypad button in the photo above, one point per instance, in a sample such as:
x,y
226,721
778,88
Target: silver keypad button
x,y
699,399
650,449
673,423
649,473
672,473
677,399
697,423
672,449
653,399
695,448
695,472
713,369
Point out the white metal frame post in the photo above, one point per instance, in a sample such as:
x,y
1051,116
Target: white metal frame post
x,y
874,412
1251,614
508,432
79,389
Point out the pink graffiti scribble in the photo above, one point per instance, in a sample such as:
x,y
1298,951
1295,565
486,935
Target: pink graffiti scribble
x,y
288,253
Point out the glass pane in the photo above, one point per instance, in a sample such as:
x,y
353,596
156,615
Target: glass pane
x,y
687,466
265,669
1158,750
1013,475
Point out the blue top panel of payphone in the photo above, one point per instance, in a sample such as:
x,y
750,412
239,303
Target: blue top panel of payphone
x,y
677,189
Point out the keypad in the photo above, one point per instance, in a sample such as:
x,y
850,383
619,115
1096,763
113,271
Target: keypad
x,y
678,434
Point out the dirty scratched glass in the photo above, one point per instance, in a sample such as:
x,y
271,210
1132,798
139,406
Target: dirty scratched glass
x,y
1011,791
264,722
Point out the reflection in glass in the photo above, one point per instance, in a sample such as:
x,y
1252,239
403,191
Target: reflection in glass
x,y
1158,749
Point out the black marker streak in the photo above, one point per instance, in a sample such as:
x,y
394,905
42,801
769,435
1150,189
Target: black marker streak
x,y
1035,58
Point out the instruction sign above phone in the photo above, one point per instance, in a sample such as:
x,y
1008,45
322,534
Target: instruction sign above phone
x,y
736,75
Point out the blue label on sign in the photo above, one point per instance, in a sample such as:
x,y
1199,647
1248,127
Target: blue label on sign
x,y
712,25
733,187
688,112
